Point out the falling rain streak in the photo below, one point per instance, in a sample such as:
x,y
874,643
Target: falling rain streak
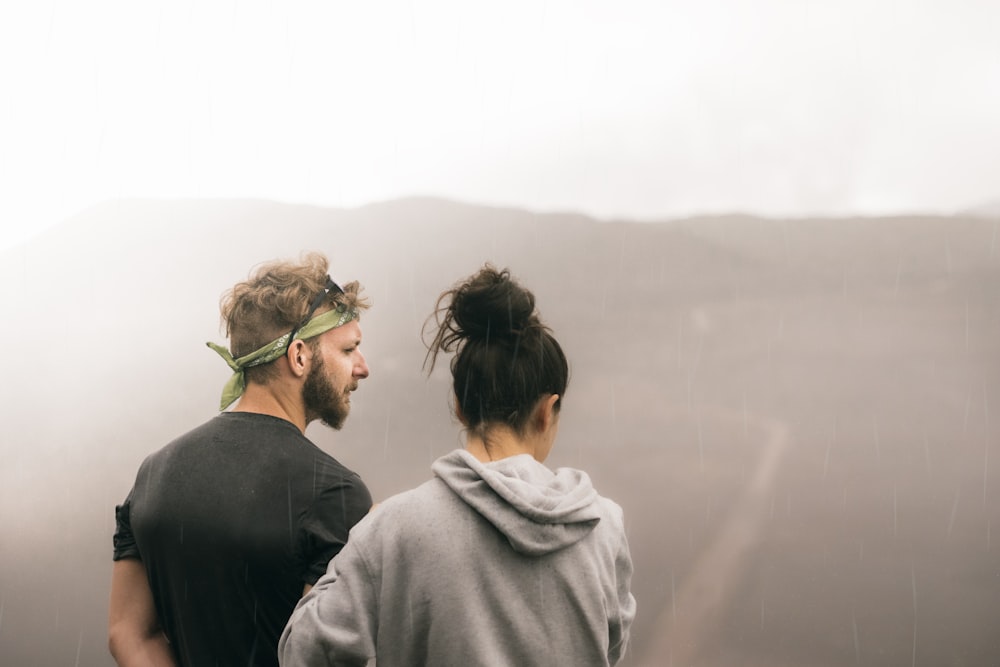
x,y
913,581
701,447
746,427
878,441
968,325
986,405
895,511
899,273
680,343
954,510
826,460
673,597
986,469
857,640
968,412
614,412
385,440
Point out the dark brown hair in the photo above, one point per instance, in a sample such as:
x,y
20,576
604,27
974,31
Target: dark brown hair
x,y
505,358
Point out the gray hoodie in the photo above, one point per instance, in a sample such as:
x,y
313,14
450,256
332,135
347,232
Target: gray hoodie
x,y
503,563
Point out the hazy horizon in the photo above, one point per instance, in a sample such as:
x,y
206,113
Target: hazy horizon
x,y
989,209
628,110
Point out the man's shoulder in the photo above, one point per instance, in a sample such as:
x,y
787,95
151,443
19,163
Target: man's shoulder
x,y
249,429
186,439
326,471
245,426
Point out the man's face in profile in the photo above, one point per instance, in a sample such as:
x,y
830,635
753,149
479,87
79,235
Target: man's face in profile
x,y
337,367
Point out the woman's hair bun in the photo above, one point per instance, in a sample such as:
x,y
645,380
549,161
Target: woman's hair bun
x,y
492,305
505,358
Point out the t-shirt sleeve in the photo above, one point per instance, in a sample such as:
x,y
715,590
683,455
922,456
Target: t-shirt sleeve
x,y
124,540
326,525
336,623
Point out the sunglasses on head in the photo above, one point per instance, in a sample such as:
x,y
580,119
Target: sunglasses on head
x,y
330,289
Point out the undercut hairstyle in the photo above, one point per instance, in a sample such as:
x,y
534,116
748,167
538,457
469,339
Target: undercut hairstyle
x,y
505,358
275,299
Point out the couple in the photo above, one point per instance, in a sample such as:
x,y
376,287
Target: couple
x,y
223,547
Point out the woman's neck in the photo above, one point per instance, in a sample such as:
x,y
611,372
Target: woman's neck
x,y
498,443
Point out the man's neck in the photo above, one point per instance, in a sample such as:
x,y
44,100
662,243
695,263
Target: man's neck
x,y
273,401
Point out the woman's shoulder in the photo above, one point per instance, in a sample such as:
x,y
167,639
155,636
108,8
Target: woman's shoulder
x,y
612,514
413,502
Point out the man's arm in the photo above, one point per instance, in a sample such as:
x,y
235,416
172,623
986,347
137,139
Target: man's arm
x,y
134,634
308,587
337,622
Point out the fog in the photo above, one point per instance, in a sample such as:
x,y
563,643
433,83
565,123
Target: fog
x,y
798,416
627,108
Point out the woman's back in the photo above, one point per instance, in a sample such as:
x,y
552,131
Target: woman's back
x,y
503,563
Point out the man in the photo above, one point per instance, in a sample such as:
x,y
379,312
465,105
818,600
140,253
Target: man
x,y
227,526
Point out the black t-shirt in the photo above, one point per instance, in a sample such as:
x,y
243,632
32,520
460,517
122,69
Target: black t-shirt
x,y
231,520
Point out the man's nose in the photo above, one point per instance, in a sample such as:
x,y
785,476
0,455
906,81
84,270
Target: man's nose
x,y
361,368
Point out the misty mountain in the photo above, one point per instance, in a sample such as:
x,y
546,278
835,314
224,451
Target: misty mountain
x,y
794,414
989,209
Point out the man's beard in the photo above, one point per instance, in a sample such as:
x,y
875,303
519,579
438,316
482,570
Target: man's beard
x,y
322,398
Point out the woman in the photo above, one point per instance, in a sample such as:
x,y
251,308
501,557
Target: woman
x,y
497,560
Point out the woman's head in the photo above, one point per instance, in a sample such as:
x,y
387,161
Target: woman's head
x,y
505,358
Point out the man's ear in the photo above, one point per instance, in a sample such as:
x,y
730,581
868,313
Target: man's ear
x,y
299,358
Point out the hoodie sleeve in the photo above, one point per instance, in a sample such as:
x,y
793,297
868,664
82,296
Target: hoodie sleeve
x,y
620,623
336,623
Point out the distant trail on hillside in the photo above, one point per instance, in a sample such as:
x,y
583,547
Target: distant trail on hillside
x,y
700,601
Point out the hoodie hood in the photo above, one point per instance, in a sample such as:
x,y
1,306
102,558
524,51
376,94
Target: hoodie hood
x,y
538,510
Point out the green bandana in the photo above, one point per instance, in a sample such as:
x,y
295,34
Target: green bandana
x,y
322,323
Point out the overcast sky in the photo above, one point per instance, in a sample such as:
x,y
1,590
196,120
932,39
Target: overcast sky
x,y
620,108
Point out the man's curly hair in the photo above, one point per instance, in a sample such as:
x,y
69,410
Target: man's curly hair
x,y
273,300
